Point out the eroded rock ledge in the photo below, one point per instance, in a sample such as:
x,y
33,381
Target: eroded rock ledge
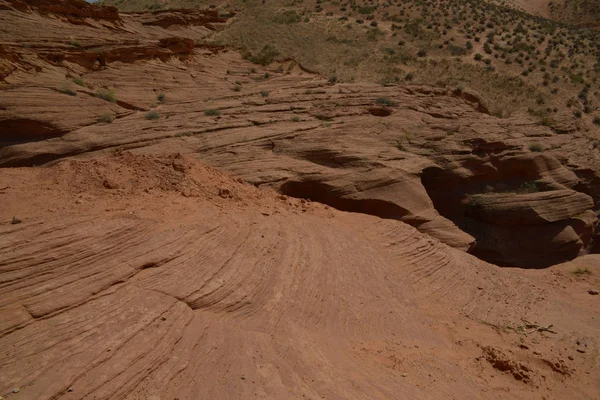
x,y
432,159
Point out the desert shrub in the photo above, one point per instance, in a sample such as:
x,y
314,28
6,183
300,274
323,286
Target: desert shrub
x,y
332,79
409,77
536,147
384,101
264,93
107,94
106,118
78,81
597,120
288,17
264,57
161,97
295,119
581,272
422,53
577,113
152,115
68,91
576,78
478,57
457,50
212,112
528,187
366,10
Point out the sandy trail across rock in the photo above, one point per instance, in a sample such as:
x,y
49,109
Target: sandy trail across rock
x,y
141,277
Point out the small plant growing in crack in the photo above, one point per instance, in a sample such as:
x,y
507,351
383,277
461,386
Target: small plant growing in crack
x,y
212,112
152,116
581,272
106,118
107,95
79,81
384,101
264,93
68,91
161,98
536,147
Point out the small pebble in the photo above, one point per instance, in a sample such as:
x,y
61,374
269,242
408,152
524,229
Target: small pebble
x,y
16,390
404,375
593,291
70,389
16,220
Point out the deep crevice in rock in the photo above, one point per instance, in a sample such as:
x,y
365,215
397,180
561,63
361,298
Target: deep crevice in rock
x,y
323,193
516,236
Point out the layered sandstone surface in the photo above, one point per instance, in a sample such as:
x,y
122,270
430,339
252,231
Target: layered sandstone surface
x,y
196,226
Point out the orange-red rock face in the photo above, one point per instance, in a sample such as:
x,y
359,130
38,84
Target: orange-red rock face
x,y
418,161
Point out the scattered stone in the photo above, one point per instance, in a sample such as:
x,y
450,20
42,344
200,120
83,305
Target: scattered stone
x,y
78,201
16,390
225,193
110,184
180,165
404,375
593,292
266,214
70,389
571,358
581,350
16,220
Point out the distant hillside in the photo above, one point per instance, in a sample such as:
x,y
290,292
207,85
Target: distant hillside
x,y
517,62
582,13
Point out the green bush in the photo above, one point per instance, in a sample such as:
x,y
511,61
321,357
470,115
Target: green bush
x,y
366,10
384,101
288,17
212,113
457,50
528,187
79,81
68,91
106,118
161,97
264,57
536,147
152,115
107,94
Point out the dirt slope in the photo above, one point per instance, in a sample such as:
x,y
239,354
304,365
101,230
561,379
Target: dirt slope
x,y
157,278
